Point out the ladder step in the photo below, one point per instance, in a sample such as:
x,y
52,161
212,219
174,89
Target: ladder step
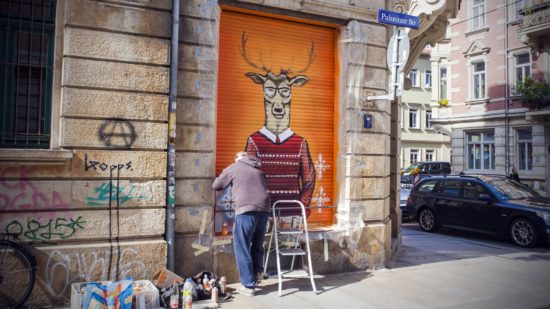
x,y
294,273
291,251
290,231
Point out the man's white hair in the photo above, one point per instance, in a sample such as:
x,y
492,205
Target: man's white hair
x,y
240,155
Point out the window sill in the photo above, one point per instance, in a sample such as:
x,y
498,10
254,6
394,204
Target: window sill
x,y
478,101
35,155
415,129
477,31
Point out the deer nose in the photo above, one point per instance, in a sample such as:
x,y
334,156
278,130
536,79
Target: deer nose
x,y
278,110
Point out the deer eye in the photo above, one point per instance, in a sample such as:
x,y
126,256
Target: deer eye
x,y
285,92
269,91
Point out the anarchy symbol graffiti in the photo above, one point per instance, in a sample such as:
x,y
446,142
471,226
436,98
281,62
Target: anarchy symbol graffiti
x,y
117,133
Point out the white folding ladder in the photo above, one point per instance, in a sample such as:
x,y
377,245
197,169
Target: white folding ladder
x,y
294,248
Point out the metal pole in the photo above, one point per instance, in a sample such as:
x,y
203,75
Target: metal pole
x,y
171,164
506,99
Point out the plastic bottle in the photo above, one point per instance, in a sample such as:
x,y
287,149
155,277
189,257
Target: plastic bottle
x,y
174,296
215,294
206,283
187,289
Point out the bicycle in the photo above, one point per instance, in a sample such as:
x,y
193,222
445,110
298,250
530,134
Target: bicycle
x,y
17,272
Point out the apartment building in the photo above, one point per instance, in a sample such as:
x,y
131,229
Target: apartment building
x,y
491,47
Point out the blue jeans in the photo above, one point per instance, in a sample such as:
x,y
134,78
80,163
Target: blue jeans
x,y
248,243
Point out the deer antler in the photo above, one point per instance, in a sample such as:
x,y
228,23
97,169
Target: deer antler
x,y
242,50
311,57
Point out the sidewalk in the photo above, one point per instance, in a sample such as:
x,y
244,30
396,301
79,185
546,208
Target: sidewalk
x,y
445,270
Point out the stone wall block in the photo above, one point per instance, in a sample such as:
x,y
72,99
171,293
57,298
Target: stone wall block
x,y
371,210
368,166
84,224
198,85
363,143
196,164
187,264
195,138
103,15
190,111
196,58
25,171
126,164
115,46
194,192
189,218
110,104
113,134
115,76
199,31
199,8
369,188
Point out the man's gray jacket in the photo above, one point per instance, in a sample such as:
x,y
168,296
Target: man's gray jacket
x,y
249,186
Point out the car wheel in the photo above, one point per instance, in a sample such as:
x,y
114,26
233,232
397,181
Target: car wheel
x,y
523,233
427,220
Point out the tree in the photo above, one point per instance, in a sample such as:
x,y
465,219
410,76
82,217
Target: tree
x,y
534,94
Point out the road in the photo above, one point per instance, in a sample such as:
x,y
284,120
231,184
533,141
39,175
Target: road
x,y
448,269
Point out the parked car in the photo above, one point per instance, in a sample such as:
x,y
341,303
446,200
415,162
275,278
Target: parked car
x,y
403,203
489,204
424,169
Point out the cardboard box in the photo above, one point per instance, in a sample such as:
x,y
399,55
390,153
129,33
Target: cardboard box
x,y
165,278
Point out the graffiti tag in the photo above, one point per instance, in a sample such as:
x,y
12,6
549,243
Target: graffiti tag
x,y
117,133
36,230
92,266
95,165
108,192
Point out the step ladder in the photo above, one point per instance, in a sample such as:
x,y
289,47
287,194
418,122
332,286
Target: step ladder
x,y
289,239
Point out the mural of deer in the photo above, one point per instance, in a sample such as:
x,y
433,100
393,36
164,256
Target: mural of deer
x,y
286,162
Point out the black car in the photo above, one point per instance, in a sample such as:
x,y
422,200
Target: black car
x,y
424,169
490,204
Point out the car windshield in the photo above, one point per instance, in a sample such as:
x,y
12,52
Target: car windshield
x,y
506,189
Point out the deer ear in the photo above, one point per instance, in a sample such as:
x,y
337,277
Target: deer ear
x,y
299,80
256,77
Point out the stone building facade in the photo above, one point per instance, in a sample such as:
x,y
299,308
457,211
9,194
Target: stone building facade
x,y
88,191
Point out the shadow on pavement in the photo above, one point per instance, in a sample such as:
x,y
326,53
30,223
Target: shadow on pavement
x,y
323,284
419,247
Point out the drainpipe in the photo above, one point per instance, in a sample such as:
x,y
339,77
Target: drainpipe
x,y
506,99
171,164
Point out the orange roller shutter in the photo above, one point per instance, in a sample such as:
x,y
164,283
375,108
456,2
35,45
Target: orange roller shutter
x,y
278,44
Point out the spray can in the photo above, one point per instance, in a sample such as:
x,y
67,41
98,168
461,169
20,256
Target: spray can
x,y
215,294
174,297
188,302
223,284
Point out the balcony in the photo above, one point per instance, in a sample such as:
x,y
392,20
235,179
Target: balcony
x,y
534,22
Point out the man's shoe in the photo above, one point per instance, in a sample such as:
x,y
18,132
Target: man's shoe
x,y
259,277
245,291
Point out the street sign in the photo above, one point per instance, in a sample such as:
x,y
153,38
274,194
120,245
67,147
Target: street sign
x,y
398,19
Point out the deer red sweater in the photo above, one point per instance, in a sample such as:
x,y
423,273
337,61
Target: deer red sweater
x,y
287,165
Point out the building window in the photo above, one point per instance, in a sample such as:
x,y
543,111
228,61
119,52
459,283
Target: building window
x,y
478,14
522,67
443,85
428,79
413,121
479,80
430,155
525,148
520,5
413,76
428,119
481,150
26,69
414,155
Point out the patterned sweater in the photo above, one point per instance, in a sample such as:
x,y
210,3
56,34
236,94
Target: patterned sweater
x,y
287,165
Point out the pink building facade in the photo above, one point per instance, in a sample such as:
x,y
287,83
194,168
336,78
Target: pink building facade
x,y
491,47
